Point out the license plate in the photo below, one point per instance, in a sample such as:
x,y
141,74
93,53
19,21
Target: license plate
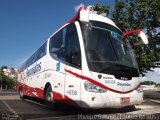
x,y
125,100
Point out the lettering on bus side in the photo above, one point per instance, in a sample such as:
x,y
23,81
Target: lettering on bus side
x,y
72,92
123,84
110,81
118,83
33,70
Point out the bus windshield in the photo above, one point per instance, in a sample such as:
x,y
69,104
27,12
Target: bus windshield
x,y
106,52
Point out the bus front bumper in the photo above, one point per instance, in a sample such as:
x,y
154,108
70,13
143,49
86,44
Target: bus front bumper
x,y
110,99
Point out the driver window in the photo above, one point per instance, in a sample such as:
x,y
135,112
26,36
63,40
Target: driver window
x,y
57,45
73,52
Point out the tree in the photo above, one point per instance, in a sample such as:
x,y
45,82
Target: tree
x,y
100,9
138,14
3,67
7,81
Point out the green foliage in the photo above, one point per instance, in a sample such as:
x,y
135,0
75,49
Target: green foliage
x,y
148,59
100,9
158,85
7,81
137,14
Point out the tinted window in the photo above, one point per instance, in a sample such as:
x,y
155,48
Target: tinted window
x,y
31,60
106,52
41,52
73,52
36,56
64,46
57,45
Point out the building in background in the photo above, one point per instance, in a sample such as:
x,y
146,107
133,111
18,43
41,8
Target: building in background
x,y
10,72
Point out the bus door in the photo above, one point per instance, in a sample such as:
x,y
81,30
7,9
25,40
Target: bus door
x,y
64,48
57,51
73,66
59,79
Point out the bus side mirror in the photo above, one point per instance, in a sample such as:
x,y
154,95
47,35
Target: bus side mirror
x,y
140,33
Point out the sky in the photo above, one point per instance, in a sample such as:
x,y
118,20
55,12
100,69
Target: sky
x,y
26,24
152,75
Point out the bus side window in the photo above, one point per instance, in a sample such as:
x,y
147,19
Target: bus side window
x,y
41,52
73,52
57,48
31,60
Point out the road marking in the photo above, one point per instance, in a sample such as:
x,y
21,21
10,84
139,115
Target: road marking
x,y
51,118
11,110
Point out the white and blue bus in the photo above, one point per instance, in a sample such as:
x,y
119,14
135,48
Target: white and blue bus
x,y
85,63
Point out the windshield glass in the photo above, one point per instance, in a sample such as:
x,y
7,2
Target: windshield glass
x,y
106,52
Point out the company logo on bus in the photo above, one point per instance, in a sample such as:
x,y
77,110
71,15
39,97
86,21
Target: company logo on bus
x,y
104,77
123,84
99,76
33,70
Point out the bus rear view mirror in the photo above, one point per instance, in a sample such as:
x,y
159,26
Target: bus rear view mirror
x,y
140,34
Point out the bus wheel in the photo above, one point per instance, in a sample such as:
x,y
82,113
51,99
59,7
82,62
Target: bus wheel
x,y
21,94
49,102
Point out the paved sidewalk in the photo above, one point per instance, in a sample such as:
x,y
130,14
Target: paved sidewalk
x,y
154,94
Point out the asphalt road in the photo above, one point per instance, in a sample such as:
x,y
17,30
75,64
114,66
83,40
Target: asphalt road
x,y
12,108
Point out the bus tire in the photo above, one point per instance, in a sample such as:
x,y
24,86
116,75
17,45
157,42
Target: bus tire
x,y
49,102
21,94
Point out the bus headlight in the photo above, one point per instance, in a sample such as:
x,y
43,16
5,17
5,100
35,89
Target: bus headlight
x,y
93,88
140,89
